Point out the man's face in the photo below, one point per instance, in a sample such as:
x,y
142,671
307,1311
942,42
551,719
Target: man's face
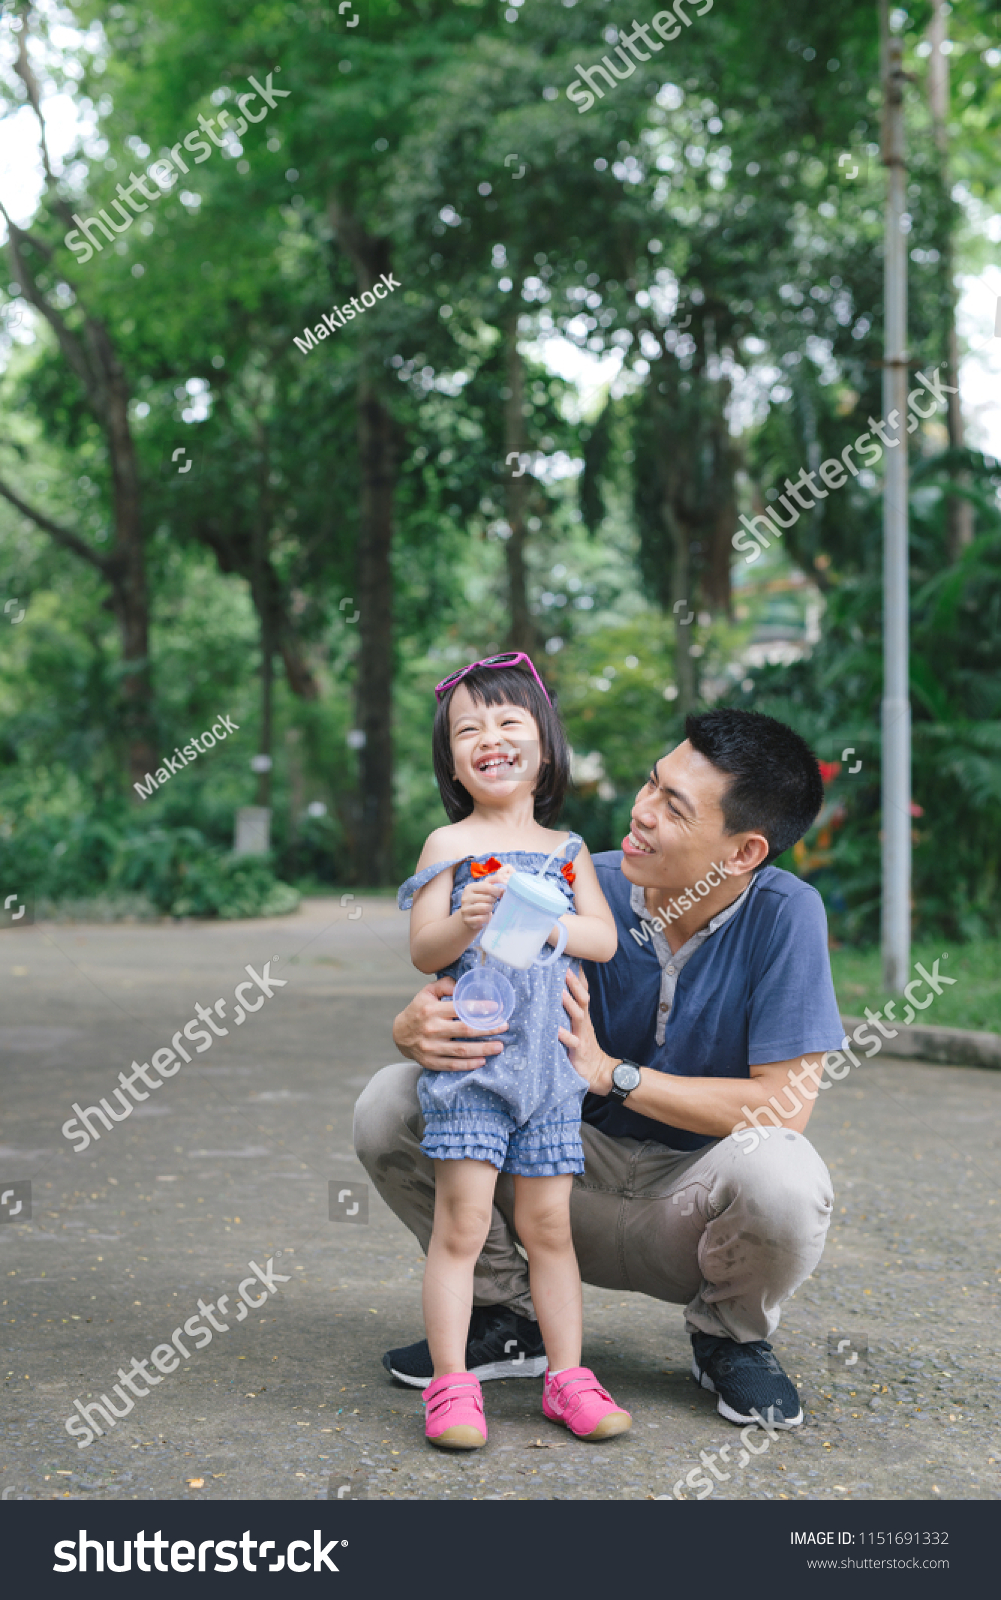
x,y
676,830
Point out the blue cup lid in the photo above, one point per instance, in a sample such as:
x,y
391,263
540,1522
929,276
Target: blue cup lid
x,y
535,891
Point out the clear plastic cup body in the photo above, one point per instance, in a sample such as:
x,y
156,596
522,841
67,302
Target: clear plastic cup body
x,y
523,919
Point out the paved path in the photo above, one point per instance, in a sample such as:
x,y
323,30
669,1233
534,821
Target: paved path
x,y
229,1162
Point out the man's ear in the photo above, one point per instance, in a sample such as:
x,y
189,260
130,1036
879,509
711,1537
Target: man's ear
x,y
748,856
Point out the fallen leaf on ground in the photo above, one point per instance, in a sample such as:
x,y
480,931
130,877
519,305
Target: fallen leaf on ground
x,y
195,1483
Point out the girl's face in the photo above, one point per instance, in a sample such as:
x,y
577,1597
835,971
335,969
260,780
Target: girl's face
x,y
493,747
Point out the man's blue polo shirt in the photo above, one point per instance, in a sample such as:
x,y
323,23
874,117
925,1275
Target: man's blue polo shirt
x,y
759,989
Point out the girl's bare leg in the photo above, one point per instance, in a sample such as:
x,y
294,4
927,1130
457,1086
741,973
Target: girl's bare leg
x,y
463,1198
542,1220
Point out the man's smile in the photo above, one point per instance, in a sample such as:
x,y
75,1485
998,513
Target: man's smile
x,y
633,845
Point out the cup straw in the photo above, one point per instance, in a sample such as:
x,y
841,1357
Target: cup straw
x,y
557,852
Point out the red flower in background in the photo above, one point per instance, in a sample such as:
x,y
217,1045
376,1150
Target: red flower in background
x,y
829,770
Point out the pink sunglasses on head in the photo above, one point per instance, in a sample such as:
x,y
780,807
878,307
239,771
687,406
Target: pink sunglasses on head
x,y
513,658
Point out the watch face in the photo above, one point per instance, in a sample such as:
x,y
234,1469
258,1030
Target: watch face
x,y
626,1076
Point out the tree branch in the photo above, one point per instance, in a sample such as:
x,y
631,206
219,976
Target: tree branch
x,y
62,536
22,66
69,343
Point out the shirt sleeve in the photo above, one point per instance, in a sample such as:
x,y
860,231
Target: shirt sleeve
x,y
792,1007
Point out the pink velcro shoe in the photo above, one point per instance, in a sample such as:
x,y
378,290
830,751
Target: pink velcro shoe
x,y
453,1412
577,1398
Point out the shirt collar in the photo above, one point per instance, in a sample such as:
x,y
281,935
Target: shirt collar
x,y
672,962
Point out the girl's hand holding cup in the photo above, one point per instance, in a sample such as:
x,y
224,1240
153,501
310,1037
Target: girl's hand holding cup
x,y
480,896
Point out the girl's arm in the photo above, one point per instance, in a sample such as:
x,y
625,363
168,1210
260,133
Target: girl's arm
x,y
591,933
438,935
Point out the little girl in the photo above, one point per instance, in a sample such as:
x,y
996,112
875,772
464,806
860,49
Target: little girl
x,y
502,765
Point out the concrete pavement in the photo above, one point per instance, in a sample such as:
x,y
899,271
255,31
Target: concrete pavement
x,y
230,1161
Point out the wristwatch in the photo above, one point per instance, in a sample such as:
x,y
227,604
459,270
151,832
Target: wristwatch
x,y
625,1078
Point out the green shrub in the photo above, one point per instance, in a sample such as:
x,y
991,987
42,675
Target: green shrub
x,y
176,870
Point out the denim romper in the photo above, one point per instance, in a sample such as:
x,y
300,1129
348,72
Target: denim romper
x,y
521,1111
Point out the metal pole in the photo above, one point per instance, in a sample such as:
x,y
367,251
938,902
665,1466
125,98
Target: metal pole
x,y
896,709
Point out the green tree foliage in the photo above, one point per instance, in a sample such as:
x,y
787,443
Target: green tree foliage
x,y
424,485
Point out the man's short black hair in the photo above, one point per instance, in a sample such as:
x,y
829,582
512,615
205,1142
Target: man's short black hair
x,y
495,686
777,789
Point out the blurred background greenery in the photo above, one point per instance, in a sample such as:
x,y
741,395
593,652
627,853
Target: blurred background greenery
x,y
664,306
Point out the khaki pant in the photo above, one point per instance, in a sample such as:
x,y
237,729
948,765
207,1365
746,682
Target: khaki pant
x,y
725,1232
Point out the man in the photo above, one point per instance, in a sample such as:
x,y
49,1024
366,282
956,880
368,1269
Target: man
x,y
715,1013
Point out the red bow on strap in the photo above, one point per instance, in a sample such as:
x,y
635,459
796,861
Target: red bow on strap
x,y
568,872
483,869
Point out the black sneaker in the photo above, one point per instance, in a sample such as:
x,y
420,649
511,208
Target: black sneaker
x,y
748,1380
500,1344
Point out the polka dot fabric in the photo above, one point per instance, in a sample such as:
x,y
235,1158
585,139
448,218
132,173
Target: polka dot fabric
x,y
521,1111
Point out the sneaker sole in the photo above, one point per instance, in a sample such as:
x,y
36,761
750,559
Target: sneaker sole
x,y
461,1437
531,1367
705,1382
616,1422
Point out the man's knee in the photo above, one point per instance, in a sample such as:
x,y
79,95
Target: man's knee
x,y
783,1178
385,1106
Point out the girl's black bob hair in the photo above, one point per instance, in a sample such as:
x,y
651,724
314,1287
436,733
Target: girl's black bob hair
x,y
494,686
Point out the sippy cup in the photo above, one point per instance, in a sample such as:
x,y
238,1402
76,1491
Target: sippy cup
x,y
521,923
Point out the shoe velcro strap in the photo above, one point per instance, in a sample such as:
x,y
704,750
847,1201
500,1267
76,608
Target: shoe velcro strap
x,y
442,1396
582,1385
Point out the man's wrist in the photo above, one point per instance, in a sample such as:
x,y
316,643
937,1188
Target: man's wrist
x,y
624,1078
608,1066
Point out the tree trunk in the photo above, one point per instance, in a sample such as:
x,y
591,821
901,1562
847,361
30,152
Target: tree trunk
x,y
683,605
92,357
723,513
370,255
266,736
522,632
959,511
376,446
260,560
95,363
130,594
